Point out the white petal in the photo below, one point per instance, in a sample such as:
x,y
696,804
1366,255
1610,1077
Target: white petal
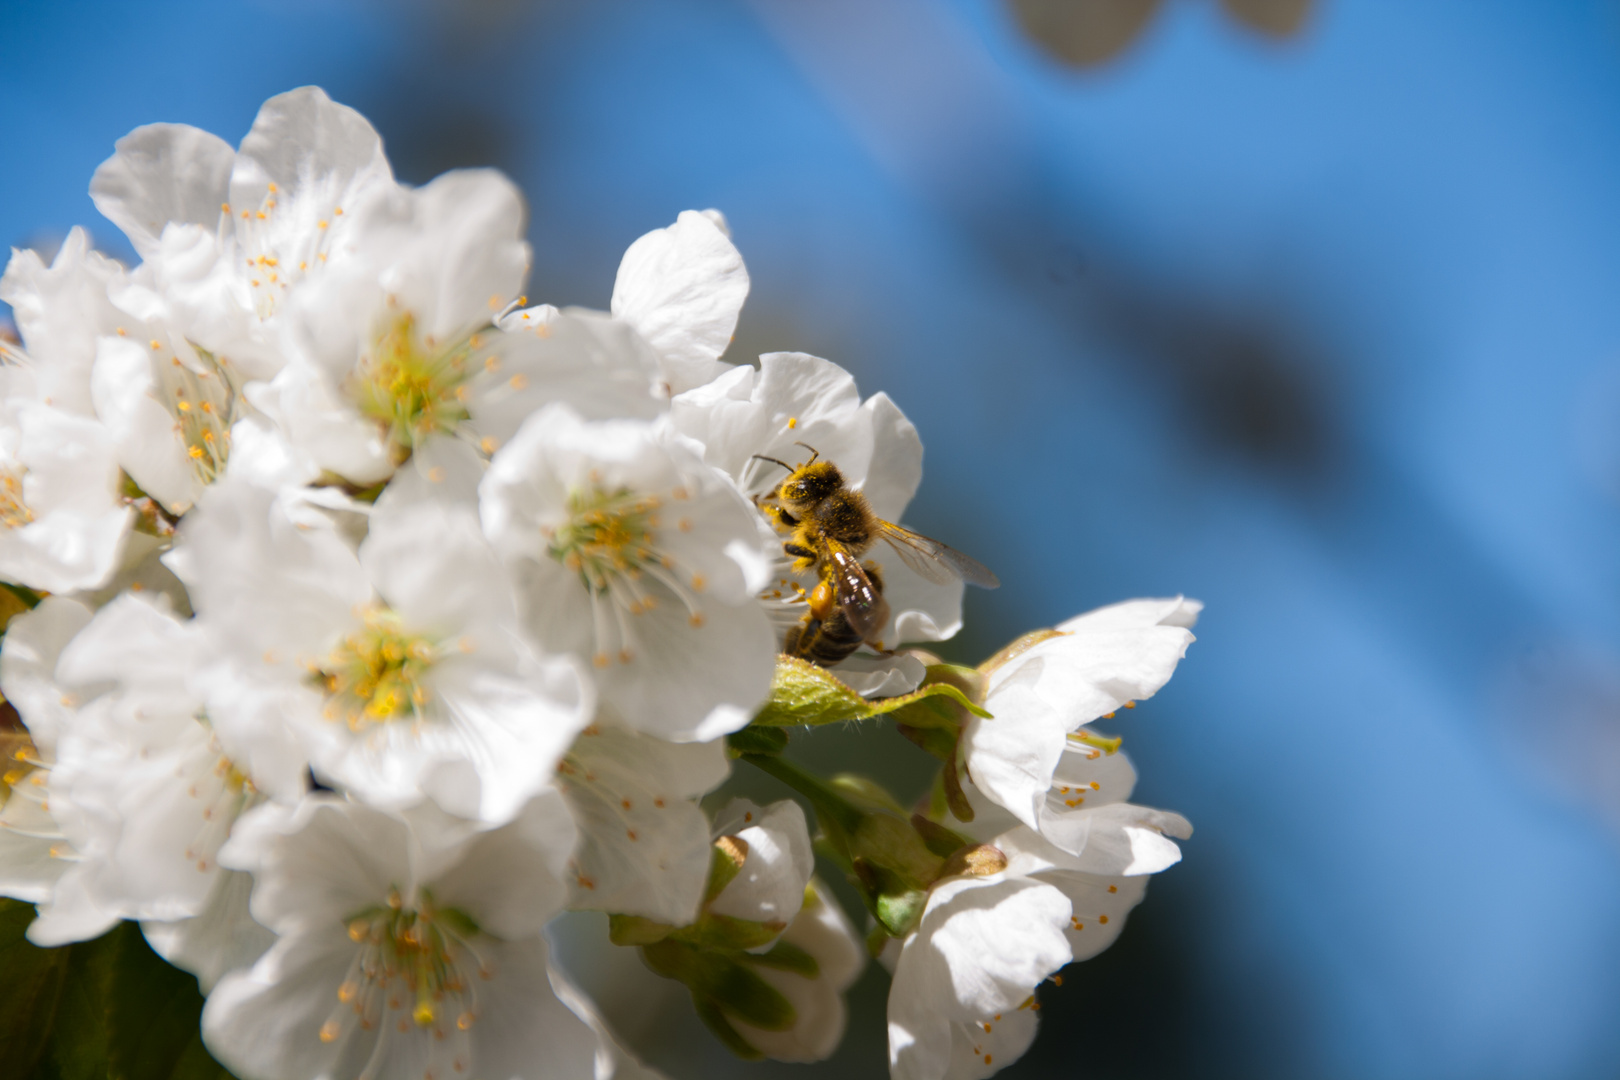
x,y
512,876
32,646
221,938
600,368
644,844
163,173
983,946
682,287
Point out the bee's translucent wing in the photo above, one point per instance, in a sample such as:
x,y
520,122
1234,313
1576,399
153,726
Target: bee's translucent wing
x,y
939,563
859,599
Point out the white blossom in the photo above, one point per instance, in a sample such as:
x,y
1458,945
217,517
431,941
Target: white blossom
x,y
633,555
1035,757
154,787
406,948
961,1003
397,671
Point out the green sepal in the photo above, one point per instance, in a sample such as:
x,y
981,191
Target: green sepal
x,y
721,1028
865,793
896,904
786,956
635,930
757,740
955,798
725,981
900,912
714,931
803,694
940,840
890,842
939,741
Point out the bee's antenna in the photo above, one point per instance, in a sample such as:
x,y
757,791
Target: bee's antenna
x,y
785,465
814,453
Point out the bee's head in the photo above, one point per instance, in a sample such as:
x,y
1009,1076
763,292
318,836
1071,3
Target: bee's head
x,y
810,484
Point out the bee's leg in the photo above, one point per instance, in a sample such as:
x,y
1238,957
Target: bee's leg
x,y
803,558
778,516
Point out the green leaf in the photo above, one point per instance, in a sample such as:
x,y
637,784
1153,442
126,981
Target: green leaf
x,y
30,988
154,1017
803,694
108,1009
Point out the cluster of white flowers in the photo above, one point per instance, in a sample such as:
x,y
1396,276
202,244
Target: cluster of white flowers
x,y
368,618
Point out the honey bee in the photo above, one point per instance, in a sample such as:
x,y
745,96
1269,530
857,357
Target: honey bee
x,y
832,527
826,636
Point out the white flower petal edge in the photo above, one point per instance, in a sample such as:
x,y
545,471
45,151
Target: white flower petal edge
x,y
795,398
398,955
163,173
1041,698
632,555
682,287
644,842
823,931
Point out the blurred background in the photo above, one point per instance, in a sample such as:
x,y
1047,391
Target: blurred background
x,y
1309,310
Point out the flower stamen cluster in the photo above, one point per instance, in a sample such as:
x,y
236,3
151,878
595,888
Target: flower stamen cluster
x,y
413,386
417,969
378,673
611,540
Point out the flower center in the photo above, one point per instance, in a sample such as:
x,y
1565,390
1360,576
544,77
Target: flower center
x,y
203,407
417,969
611,540
376,674
413,386
14,513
